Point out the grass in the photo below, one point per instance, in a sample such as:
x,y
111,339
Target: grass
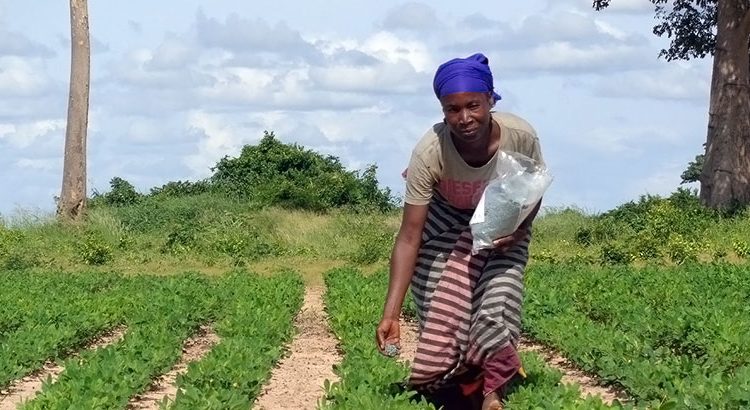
x,y
211,234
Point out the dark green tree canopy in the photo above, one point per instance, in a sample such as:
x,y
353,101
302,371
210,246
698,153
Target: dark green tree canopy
x,y
276,173
693,171
690,24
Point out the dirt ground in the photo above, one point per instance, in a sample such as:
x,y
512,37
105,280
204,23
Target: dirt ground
x,y
571,375
27,387
194,349
297,381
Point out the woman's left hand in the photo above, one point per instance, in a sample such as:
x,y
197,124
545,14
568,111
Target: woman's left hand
x,y
506,242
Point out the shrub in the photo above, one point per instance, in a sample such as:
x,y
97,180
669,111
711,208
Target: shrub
x,y
20,260
122,193
615,254
180,188
741,248
274,173
181,238
681,250
94,250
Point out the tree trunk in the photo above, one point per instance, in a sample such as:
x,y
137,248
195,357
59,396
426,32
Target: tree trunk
x,y
725,179
73,196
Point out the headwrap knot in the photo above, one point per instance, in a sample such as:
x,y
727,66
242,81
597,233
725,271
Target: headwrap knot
x,y
460,75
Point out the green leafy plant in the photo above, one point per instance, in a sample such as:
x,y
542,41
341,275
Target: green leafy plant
x,y
274,173
669,336
94,251
741,248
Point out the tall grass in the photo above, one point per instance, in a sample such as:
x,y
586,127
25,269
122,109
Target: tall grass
x,y
213,233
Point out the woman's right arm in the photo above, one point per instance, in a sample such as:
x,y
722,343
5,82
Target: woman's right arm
x,y
403,259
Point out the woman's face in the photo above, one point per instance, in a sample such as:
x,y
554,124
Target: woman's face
x,y
468,114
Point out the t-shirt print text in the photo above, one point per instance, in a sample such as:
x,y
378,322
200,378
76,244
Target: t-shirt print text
x,y
462,194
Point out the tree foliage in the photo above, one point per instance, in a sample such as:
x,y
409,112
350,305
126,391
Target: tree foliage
x,y
272,173
690,24
121,193
693,171
289,175
698,28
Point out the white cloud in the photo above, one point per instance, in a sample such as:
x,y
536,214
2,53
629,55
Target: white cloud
x,y
391,78
631,6
390,48
218,135
174,53
150,69
17,44
559,42
561,26
411,16
242,36
561,57
626,141
24,135
41,164
674,81
20,77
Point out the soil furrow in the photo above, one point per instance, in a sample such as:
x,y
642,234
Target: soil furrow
x,y
297,381
165,387
27,387
589,385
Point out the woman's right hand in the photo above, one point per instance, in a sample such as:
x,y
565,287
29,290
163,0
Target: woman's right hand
x,y
388,332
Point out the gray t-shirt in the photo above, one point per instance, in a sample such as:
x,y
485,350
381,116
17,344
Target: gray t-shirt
x,y
435,163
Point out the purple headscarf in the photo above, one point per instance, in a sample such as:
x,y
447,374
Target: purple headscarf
x,y
470,74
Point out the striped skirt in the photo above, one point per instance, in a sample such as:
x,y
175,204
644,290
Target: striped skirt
x,y
468,306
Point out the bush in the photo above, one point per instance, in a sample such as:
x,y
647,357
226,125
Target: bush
x,y
180,188
94,250
122,193
615,254
274,173
681,250
653,227
181,238
741,248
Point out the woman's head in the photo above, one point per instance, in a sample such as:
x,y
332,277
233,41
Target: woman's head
x,y
465,89
459,75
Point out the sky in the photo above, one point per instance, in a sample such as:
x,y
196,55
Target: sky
x,y
177,85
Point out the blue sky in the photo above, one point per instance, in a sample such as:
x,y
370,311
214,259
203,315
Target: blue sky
x,y
178,85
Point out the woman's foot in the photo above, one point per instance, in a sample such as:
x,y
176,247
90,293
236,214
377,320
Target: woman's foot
x,y
492,402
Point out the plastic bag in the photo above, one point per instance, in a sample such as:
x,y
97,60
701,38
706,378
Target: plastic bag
x,y
509,198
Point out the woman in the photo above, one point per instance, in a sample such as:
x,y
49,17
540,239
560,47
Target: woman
x,y
469,306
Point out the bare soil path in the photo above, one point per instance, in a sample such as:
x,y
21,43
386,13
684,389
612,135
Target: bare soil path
x,y
297,381
193,349
26,388
589,386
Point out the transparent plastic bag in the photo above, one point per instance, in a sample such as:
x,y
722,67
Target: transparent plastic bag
x,y
510,196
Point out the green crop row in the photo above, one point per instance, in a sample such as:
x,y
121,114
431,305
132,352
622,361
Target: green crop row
x,y
257,319
160,315
43,317
672,337
50,316
369,380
